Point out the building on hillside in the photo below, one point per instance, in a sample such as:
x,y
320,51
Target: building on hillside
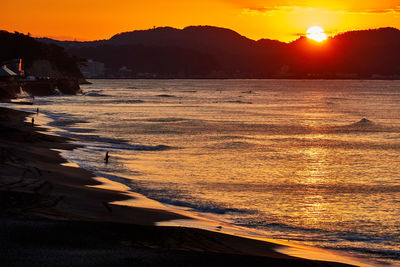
x,y
124,72
6,73
15,65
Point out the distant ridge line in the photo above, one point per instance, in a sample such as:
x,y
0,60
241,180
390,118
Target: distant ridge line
x,y
214,52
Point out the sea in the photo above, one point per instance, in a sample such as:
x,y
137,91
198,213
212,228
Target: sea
x,y
309,161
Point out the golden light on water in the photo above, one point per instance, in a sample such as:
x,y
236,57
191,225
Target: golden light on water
x,y
291,163
314,209
314,170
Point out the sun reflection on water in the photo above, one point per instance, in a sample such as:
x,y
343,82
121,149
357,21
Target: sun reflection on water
x,y
314,166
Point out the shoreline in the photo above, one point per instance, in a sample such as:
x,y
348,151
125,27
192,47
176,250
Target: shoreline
x,y
39,188
252,78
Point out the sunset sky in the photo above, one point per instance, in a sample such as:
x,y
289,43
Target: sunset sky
x,y
283,20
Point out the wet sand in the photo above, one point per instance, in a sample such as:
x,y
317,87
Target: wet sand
x,y
53,214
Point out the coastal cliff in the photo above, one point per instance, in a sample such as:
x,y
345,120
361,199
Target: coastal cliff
x,y
39,69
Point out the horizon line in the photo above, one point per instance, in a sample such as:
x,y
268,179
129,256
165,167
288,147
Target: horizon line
x,y
62,38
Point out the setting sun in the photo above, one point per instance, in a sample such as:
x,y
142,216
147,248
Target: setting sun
x,y
316,33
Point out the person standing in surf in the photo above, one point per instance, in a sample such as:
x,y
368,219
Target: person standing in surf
x,y
106,157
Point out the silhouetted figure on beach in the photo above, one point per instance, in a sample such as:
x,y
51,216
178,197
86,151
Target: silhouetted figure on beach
x,y
106,157
33,121
37,111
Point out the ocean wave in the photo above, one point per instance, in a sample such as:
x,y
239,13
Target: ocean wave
x,y
336,237
281,227
201,207
79,130
131,101
335,99
117,178
238,102
165,95
184,199
165,120
381,253
64,122
333,143
105,143
230,137
363,125
96,138
94,93
150,148
234,145
117,101
109,143
322,188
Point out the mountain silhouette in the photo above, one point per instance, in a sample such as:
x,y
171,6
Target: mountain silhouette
x,y
363,53
212,52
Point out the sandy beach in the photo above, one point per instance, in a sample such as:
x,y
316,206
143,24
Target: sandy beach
x,y
53,214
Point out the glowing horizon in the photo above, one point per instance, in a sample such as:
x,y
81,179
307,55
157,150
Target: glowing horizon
x,y
94,20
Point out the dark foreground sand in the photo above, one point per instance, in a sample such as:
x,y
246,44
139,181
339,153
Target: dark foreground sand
x,y
51,216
